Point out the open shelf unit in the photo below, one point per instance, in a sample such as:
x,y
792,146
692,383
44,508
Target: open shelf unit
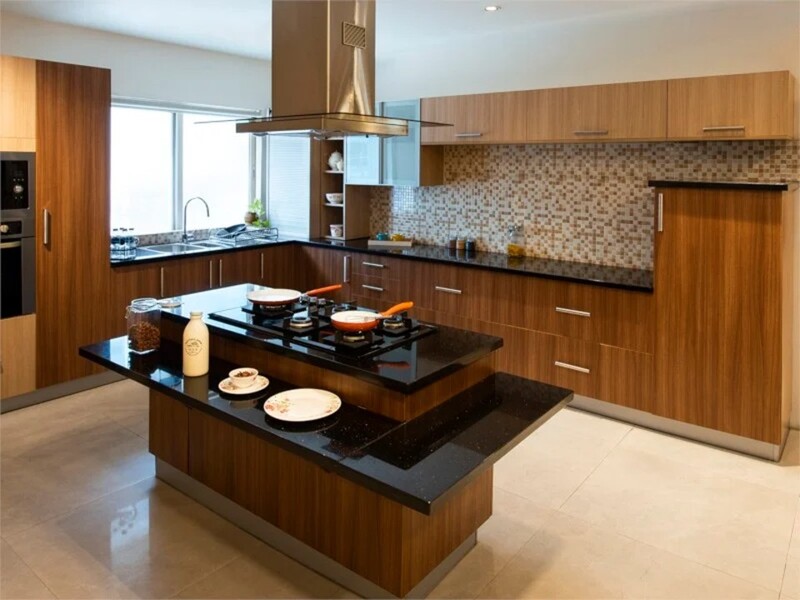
x,y
353,212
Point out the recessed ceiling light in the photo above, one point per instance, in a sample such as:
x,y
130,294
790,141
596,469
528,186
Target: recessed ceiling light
x,y
492,8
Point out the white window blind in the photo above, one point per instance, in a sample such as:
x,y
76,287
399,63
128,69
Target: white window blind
x,y
289,184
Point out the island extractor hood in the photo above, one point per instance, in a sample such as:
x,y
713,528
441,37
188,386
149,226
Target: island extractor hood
x,y
323,72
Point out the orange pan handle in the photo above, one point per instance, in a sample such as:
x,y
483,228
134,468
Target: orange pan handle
x,y
397,308
330,288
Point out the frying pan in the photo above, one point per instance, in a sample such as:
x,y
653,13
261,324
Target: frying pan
x,y
282,297
364,320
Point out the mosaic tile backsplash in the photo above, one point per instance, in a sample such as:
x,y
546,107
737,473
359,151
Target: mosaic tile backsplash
x,y
579,202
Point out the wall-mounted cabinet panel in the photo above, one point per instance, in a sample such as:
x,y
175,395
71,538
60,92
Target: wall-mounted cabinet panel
x,y
17,104
622,111
495,118
732,107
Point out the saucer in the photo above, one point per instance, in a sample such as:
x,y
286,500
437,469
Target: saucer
x,y
226,385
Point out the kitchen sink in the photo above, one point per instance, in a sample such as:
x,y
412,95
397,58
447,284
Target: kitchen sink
x,y
175,248
210,244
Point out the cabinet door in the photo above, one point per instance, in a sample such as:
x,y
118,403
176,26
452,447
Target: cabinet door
x,y
238,267
718,299
445,109
362,160
329,267
73,110
624,111
751,106
476,119
17,104
400,156
188,275
129,282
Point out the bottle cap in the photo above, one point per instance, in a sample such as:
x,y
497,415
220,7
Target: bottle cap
x,y
196,313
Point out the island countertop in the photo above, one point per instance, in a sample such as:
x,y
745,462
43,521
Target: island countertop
x,y
423,361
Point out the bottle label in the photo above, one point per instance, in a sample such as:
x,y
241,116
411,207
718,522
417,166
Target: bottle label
x,y
193,346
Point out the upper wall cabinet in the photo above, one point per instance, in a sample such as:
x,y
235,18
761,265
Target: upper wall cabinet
x,y
477,119
622,111
17,104
732,107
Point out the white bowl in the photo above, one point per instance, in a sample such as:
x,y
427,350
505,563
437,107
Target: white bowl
x,y
334,198
243,377
337,230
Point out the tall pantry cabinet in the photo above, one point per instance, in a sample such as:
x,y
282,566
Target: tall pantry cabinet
x,y
73,111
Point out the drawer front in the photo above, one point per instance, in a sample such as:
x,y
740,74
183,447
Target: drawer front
x,y
627,378
575,366
381,292
379,266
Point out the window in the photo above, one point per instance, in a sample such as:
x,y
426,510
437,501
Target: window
x,y
163,155
289,184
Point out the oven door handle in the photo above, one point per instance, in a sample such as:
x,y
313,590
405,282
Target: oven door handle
x,y
11,245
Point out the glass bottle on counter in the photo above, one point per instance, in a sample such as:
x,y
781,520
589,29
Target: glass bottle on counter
x,y
515,241
195,346
144,325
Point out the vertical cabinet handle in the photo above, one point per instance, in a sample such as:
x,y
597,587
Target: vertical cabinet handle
x,y
346,269
210,274
262,266
162,283
220,272
46,224
660,212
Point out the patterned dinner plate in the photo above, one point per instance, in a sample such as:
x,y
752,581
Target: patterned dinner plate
x,y
303,404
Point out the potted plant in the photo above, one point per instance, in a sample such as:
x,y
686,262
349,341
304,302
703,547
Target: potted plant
x,y
253,211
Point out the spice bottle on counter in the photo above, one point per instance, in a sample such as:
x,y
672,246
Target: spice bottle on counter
x,y
515,245
195,346
144,325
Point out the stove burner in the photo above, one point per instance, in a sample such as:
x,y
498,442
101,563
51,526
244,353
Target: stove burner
x,y
343,307
352,338
300,321
393,323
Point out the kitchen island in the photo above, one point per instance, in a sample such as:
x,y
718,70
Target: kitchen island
x,y
385,495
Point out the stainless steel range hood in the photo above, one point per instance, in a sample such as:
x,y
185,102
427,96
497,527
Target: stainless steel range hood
x,y
323,72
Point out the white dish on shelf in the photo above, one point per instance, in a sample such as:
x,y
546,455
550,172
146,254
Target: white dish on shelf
x,y
302,404
334,197
226,385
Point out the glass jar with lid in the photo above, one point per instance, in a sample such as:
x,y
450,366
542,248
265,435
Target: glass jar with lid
x,y
515,241
144,325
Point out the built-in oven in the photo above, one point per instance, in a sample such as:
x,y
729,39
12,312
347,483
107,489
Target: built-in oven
x,y
17,234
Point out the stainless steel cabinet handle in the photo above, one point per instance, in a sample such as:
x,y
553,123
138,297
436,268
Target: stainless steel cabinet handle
x,y
447,290
374,288
661,212
10,244
591,132
346,269
262,266
572,311
468,134
46,222
210,274
375,265
564,365
725,128
161,294
220,272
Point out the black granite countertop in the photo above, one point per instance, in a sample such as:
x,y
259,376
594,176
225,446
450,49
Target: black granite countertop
x,y
418,463
615,277
404,369
143,256
720,185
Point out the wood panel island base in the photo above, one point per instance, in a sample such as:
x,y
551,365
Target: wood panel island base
x,y
386,495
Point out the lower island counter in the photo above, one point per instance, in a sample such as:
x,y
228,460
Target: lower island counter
x,y
384,496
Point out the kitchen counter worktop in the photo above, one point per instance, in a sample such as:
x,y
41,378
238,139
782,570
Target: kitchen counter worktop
x,y
147,257
417,463
720,185
615,277
424,361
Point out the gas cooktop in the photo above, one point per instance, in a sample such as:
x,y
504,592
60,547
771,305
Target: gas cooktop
x,y
308,324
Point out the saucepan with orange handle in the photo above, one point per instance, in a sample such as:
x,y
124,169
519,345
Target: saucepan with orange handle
x,y
283,297
364,320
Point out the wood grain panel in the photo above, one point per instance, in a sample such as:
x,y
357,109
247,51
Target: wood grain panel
x,y
17,104
169,430
326,267
790,301
238,267
17,356
72,171
211,452
626,378
356,212
718,338
761,103
489,118
189,275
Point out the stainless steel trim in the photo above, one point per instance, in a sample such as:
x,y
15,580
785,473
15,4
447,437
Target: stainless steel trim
x,y
372,264
210,274
564,365
468,134
447,290
590,132
660,212
262,266
220,272
725,128
161,295
572,311
346,269
11,244
374,288
46,224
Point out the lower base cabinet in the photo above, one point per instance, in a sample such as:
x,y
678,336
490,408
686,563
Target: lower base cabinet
x,y
17,356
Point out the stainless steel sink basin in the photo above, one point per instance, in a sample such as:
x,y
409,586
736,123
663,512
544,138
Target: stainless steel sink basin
x,y
147,252
174,248
210,244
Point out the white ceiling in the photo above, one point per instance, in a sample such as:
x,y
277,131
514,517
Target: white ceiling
x,y
242,27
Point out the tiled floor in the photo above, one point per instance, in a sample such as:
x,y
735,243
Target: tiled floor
x,y
584,508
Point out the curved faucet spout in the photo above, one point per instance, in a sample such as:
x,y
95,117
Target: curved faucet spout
x,y
185,238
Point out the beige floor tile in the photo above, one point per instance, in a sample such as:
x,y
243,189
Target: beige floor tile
x,y
728,524
513,523
570,558
784,475
791,576
550,464
16,578
147,540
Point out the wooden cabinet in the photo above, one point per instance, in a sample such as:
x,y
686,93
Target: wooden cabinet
x,y
352,212
325,267
732,107
620,111
73,106
495,118
17,356
17,104
239,267
723,288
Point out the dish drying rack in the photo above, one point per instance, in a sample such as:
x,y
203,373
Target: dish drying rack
x,y
245,236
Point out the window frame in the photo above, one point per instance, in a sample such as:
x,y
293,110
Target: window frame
x,y
219,113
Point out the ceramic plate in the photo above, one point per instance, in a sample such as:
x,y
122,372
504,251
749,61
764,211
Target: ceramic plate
x,y
226,385
304,404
